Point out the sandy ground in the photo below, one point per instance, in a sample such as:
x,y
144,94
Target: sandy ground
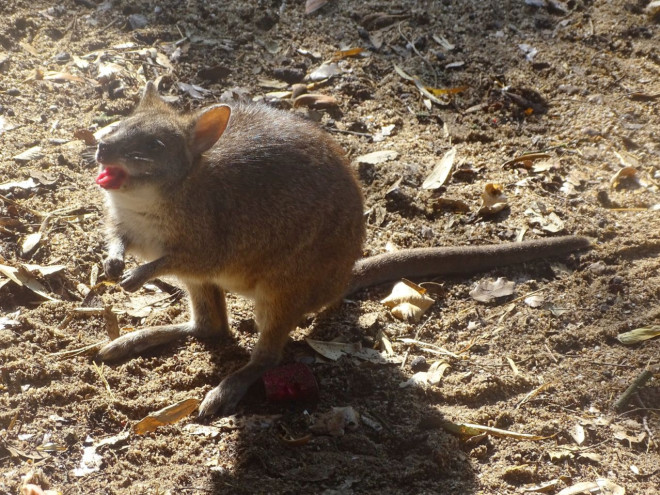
x,y
576,82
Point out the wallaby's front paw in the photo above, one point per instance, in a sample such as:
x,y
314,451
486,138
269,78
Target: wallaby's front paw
x,y
134,279
113,268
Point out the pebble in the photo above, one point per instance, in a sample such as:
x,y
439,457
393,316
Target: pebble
x,y
289,75
62,57
419,363
14,92
137,21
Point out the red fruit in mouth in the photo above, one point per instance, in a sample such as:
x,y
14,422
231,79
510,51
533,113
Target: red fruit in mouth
x,y
111,177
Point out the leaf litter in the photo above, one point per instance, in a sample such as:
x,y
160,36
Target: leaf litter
x,y
581,186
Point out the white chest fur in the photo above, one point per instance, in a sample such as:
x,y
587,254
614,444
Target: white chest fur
x,y
137,217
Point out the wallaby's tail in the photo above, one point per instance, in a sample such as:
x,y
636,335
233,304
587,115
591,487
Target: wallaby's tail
x,y
420,262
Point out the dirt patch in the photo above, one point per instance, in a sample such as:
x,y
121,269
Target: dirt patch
x,y
576,81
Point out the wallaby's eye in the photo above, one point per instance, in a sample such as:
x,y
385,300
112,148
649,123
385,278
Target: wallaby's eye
x,y
156,145
148,150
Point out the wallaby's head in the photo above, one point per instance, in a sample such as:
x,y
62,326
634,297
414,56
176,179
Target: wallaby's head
x,y
157,145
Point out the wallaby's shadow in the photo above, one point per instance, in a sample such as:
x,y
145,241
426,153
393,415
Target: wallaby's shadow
x,y
398,447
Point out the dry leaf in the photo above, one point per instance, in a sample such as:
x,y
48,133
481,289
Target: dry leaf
x,y
164,61
493,200
193,90
377,157
111,323
30,243
487,290
402,73
407,312
653,8
108,71
278,95
626,173
446,91
408,301
408,292
335,350
351,52
22,277
591,456
599,487
529,157
312,6
577,433
550,223
30,154
336,421
5,125
272,83
378,20
62,76
86,136
622,435
28,48
44,271
324,71
627,159
430,377
639,335
202,430
541,487
535,301
315,101
442,41
441,171
425,92
166,416
23,184
514,368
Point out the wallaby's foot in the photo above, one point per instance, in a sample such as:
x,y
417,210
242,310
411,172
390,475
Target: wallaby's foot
x,y
209,314
224,398
138,341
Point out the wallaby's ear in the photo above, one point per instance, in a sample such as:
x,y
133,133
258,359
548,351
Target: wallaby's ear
x,y
150,96
210,123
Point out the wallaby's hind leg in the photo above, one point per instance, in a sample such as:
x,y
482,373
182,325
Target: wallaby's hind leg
x,y
275,321
208,319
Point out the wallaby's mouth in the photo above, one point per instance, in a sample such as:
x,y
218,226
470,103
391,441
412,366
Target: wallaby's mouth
x,y
111,177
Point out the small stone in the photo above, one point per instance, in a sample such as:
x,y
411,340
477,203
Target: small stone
x,y
62,57
267,20
418,364
289,75
137,21
14,92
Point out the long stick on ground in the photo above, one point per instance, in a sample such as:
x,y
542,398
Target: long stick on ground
x,y
636,384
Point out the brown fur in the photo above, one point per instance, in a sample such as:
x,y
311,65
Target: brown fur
x,y
265,206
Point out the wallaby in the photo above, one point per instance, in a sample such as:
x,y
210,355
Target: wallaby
x,y
253,200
